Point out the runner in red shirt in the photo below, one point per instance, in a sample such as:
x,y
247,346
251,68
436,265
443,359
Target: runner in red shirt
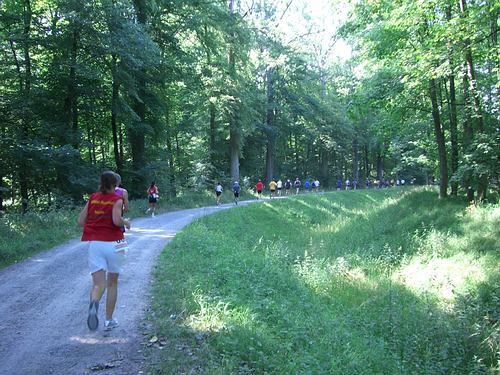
x,y
102,220
152,198
259,186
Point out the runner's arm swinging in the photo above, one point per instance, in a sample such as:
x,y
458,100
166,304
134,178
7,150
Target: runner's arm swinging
x,y
118,220
82,218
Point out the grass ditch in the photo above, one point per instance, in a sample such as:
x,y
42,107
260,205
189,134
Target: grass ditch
x,y
381,281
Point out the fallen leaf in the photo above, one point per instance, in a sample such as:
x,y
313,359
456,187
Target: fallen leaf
x,y
153,339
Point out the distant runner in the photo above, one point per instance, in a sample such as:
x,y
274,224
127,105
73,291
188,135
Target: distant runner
x,y
152,198
272,188
297,185
236,191
218,192
121,192
288,187
102,220
259,186
279,186
307,185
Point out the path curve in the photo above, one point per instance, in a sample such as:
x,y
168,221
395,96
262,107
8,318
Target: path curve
x,y
43,305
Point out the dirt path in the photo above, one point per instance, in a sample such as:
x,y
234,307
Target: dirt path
x,y
43,305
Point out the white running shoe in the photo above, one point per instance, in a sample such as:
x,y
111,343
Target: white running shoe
x,y
110,324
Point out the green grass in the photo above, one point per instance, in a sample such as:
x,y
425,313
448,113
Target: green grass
x,y
21,236
379,282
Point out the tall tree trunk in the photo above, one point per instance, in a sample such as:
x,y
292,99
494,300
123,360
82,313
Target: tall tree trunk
x,y
120,137
213,127
23,167
270,125
468,131
115,91
474,92
452,111
136,132
72,96
355,159
440,140
2,187
234,131
453,134
325,158
296,152
380,165
170,158
366,161
471,74
212,109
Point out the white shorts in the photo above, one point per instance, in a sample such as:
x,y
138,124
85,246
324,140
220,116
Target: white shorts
x,y
103,256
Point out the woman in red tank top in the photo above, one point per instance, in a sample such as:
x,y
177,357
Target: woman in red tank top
x,y
152,198
102,220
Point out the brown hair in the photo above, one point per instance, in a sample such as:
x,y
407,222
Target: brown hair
x,y
108,181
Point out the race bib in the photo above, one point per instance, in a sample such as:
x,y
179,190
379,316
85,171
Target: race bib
x,y
121,245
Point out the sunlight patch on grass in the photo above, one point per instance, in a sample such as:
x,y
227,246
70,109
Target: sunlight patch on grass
x,y
444,278
214,315
324,276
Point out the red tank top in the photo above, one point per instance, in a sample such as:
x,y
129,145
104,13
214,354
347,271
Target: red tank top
x,y
99,225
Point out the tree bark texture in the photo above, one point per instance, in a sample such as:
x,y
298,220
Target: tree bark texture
x,y
366,161
23,168
234,132
440,140
452,111
171,164
114,114
270,126
71,102
324,167
380,165
137,132
355,159
213,127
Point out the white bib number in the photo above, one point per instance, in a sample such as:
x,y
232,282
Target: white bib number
x,y
121,245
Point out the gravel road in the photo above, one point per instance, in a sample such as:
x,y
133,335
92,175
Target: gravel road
x,y
44,302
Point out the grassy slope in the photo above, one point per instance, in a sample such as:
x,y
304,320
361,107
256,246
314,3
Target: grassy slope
x,y
342,283
24,235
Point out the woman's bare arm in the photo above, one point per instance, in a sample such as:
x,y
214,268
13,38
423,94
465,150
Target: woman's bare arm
x,y
125,200
117,215
82,218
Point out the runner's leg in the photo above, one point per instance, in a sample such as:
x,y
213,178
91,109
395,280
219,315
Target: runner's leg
x,y
112,294
98,285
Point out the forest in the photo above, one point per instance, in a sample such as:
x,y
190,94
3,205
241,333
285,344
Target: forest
x,y
188,93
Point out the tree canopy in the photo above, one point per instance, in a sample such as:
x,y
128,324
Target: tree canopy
x,y
188,93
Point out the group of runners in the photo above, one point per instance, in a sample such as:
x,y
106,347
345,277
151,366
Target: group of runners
x,y
235,188
104,226
276,188
382,183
